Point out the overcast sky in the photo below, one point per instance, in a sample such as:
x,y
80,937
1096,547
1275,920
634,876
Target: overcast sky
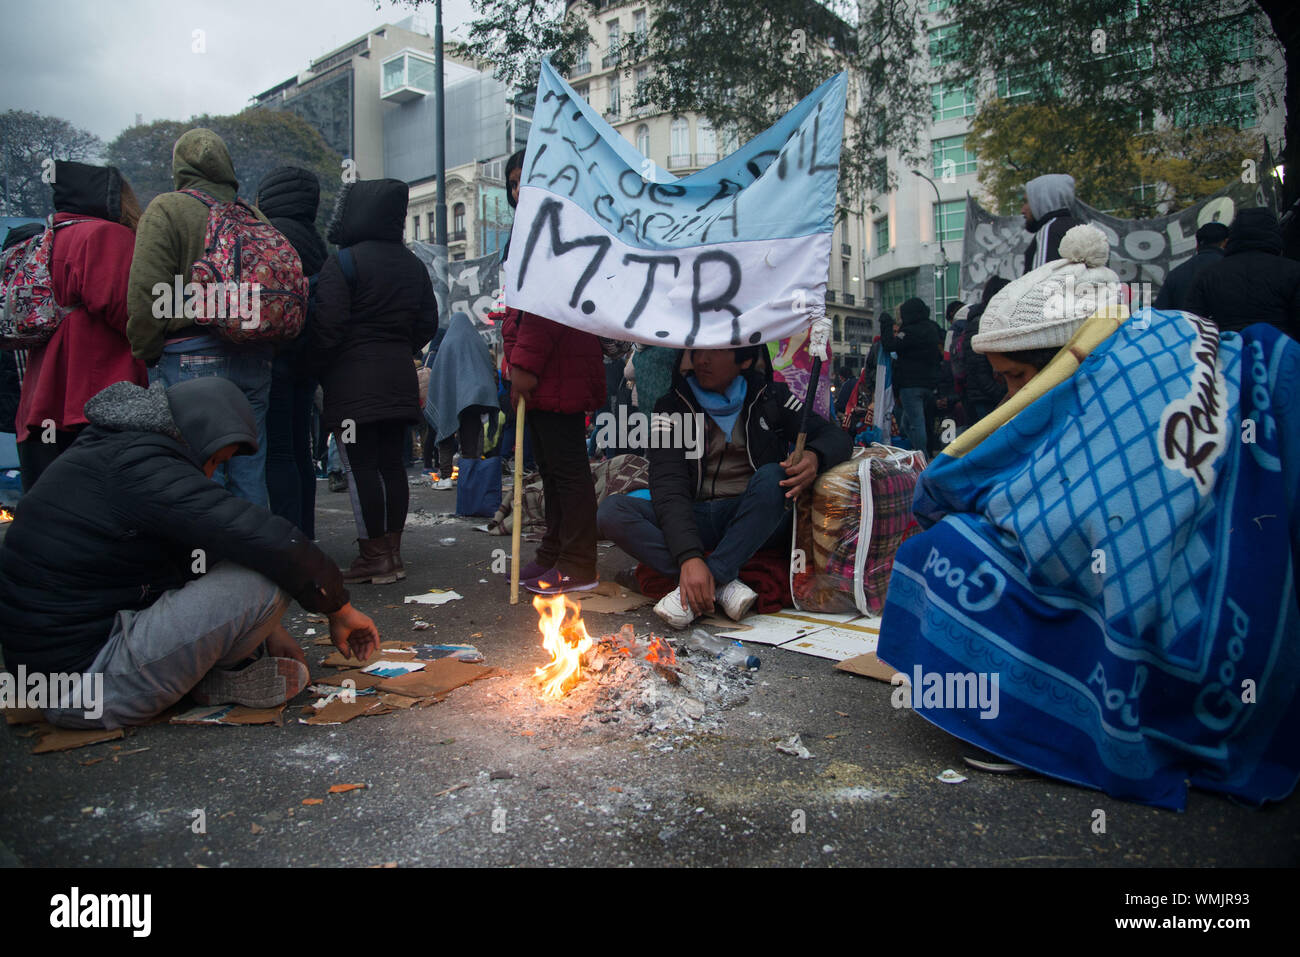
x,y
97,63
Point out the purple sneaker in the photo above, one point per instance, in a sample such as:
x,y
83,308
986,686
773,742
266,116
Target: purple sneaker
x,y
554,583
533,569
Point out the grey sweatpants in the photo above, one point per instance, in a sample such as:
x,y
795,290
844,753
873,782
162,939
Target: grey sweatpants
x,y
154,656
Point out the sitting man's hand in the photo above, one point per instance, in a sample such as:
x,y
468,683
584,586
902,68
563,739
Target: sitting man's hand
x,y
280,644
353,633
697,585
522,383
800,476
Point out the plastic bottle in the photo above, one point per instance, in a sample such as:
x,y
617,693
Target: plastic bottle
x,y
730,653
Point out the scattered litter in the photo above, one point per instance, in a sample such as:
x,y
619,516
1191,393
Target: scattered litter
x,y
310,801
792,745
391,669
467,653
341,788
310,632
420,626
448,542
230,714
950,776
438,679
620,602
257,828
869,666
123,754
312,616
423,517
446,791
433,597
340,711
500,776
87,763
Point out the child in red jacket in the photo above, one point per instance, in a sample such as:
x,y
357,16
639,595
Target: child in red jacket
x,y
560,373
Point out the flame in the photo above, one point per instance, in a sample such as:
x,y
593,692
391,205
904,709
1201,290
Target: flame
x,y
660,653
565,637
6,515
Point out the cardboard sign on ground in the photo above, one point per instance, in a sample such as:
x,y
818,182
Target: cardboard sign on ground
x,y
65,739
869,666
339,711
340,660
839,642
438,679
230,714
616,604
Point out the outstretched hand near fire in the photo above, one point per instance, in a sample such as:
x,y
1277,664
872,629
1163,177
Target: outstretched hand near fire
x,y
353,633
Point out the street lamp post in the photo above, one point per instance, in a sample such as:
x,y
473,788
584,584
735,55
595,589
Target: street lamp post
x,y
941,260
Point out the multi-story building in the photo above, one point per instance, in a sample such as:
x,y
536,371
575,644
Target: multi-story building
x,y
685,143
914,245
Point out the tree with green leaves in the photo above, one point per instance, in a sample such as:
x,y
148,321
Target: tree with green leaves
x,y
258,140
1017,142
27,142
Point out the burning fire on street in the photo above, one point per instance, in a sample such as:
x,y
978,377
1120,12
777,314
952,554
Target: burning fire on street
x,y
565,638
6,516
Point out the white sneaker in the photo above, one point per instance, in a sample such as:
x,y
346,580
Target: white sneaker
x,y
736,599
442,483
674,610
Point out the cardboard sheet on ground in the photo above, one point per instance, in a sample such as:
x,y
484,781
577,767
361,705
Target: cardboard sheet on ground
x,y
439,678
784,626
66,739
613,602
433,598
869,666
362,680
339,660
23,715
845,641
230,714
339,711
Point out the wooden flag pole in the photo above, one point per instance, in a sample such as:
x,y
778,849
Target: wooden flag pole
x,y
517,510
808,403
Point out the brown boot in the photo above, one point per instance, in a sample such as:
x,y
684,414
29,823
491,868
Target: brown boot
x,y
374,565
394,540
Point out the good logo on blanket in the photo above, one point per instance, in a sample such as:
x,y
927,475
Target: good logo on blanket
x,y
1193,429
977,590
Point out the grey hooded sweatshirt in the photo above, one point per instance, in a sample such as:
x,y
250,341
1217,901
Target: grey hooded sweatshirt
x,y
1049,198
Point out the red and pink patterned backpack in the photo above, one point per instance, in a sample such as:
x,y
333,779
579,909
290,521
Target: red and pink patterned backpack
x,y
28,312
243,255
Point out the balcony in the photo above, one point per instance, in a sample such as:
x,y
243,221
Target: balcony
x,y
582,67
679,160
830,295
846,249
611,60
705,159
456,236
849,299
406,76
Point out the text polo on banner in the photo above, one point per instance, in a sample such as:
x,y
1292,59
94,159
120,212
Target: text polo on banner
x,y
608,241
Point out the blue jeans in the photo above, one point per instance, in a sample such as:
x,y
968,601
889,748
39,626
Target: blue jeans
x,y
913,424
250,369
732,529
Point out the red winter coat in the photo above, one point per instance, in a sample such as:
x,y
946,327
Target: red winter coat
x,y
568,363
89,351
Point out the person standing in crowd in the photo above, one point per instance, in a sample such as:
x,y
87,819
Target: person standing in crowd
x,y
462,389
1253,282
171,236
918,344
1047,216
289,196
559,372
1210,240
375,310
984,390
95,215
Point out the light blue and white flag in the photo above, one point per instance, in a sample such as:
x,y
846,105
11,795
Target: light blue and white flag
x,y
609,241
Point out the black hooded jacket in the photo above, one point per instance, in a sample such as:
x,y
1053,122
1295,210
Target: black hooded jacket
x,y
289,196
918,342
365,335
1253,282
114,522
771,416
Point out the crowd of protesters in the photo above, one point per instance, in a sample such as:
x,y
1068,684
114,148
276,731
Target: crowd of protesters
x,y
170,473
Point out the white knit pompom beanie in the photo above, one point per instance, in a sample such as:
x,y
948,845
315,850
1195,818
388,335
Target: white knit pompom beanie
x,y
1044,308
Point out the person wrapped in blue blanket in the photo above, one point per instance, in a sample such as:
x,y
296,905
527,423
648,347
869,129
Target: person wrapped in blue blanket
x,y
1114,551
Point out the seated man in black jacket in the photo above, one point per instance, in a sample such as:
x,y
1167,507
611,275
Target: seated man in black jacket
x,y
729,492
135,579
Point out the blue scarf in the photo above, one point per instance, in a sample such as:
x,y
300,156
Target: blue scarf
x,y
722,408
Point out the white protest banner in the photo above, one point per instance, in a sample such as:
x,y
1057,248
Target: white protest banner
x,y
608,241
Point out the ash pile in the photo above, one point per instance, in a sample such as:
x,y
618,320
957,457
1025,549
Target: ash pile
x,y
645,684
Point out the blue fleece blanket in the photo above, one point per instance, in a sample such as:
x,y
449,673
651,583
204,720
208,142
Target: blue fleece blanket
x,y
1123,554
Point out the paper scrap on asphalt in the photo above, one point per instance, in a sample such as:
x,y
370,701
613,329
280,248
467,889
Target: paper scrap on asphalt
x,y
615,604
838,643
869,666
771,630
949,776
66,739
230,714
342,788
391,669
428,653
433,598
793,745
